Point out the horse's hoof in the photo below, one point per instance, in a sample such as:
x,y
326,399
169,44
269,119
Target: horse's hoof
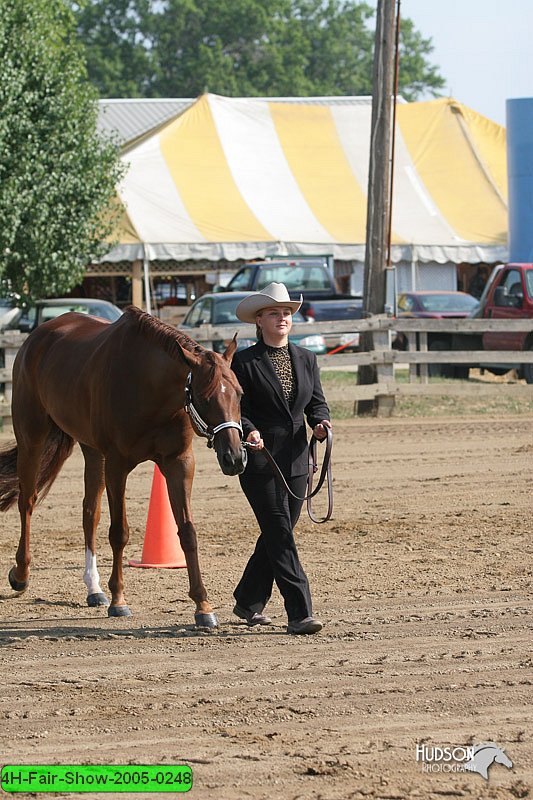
x,y
17,586
97,599
118,611
205,620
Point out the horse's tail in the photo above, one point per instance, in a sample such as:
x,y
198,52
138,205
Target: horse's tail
x,y
9,481
56,450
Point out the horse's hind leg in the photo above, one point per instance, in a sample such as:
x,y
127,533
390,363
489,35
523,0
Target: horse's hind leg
x,y
28,468
116,473
92,501
31,451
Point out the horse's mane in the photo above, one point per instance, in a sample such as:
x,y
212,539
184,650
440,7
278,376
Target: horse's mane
x,y
167,337
162,334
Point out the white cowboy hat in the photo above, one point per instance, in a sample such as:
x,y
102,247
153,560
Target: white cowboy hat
x,y
275,294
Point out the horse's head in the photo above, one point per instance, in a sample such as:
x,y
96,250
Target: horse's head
x,y
485,754
213,397
503,758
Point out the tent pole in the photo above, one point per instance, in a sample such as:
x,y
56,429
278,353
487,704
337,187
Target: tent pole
x,y
393,130
136,284
146,270
378,210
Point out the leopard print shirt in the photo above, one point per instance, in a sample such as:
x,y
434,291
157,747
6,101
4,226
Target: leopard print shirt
x,y
281,361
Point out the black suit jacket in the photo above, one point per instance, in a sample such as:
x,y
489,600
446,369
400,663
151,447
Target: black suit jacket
x,y
264,407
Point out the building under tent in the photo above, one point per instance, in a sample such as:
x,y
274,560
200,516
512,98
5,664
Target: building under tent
x,y
216,181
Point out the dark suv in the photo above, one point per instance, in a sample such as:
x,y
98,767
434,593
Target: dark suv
x,y
311,277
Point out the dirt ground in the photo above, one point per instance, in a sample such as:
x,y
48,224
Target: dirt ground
x,y
423,582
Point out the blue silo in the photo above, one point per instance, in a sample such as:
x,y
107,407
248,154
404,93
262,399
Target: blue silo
x,y
520,178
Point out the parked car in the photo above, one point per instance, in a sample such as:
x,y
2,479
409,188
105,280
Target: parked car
x,y
437,305
10,314
311,276
218,308
508,294
44,310
336,311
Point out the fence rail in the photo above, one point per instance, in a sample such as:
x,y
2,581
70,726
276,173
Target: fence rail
x,y
418,358
384,357
376,323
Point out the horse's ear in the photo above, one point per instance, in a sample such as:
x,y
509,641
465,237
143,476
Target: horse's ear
x,y
191,359
230,349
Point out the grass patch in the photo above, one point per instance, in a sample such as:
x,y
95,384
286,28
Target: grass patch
x,y
459,406
438,405
337,378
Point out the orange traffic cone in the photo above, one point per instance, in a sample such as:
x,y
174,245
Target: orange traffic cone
x,y
161,543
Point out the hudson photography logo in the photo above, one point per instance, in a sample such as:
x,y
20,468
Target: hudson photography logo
x,y
462,758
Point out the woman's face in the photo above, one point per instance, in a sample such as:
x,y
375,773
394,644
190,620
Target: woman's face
x,y
275,322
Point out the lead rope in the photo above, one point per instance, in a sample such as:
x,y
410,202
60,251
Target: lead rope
x,y
325,472
202,429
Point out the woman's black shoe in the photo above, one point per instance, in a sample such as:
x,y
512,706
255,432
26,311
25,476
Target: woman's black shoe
x,y
251,617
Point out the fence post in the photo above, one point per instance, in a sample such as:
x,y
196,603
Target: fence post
x,y
423,348
412,346
385,373
9,359
10,351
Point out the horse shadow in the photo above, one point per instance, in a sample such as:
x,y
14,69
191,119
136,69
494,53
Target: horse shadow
x,y
12,635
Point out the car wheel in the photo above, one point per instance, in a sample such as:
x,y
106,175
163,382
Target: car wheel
x,y
459,372
439,370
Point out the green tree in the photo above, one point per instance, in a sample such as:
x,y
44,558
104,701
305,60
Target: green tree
x,y
416,75
57,176
181,48
118,46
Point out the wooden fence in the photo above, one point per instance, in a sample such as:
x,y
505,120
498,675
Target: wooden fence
x,y
385,358
418,358
9,346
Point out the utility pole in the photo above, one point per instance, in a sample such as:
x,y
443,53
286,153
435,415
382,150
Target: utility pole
x,y
379,177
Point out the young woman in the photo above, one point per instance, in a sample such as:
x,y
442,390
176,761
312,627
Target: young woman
x,y
282,389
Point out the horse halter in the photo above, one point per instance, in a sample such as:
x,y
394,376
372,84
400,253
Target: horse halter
x,y
202,428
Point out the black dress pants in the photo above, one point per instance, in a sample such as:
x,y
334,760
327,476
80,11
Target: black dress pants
x,y
275,557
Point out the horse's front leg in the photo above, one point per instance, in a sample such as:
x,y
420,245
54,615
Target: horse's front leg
x,y
94,486
179,474
116,473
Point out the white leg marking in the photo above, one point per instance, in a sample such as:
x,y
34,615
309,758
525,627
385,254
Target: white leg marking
x,y
91,578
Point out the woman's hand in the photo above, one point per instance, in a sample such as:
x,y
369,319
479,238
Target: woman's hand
x,y
254,438
319,431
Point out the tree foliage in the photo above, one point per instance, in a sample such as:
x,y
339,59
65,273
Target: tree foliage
x,y
181,48
57,176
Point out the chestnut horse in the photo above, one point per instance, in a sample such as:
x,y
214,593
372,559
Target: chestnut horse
x,y
123,391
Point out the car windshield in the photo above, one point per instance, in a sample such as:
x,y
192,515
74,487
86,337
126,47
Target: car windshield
x,y
447,302
529,282
294,277
104,312
224,311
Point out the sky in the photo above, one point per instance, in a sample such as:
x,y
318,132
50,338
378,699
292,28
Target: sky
x,y
483,49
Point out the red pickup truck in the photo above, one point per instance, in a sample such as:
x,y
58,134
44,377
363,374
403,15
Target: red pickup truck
x,y
508,295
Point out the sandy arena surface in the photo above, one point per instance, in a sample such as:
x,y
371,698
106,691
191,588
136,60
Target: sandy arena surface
x,y
423,580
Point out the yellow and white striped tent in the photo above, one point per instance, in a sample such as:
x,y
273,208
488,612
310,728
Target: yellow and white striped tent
x,y
240,178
